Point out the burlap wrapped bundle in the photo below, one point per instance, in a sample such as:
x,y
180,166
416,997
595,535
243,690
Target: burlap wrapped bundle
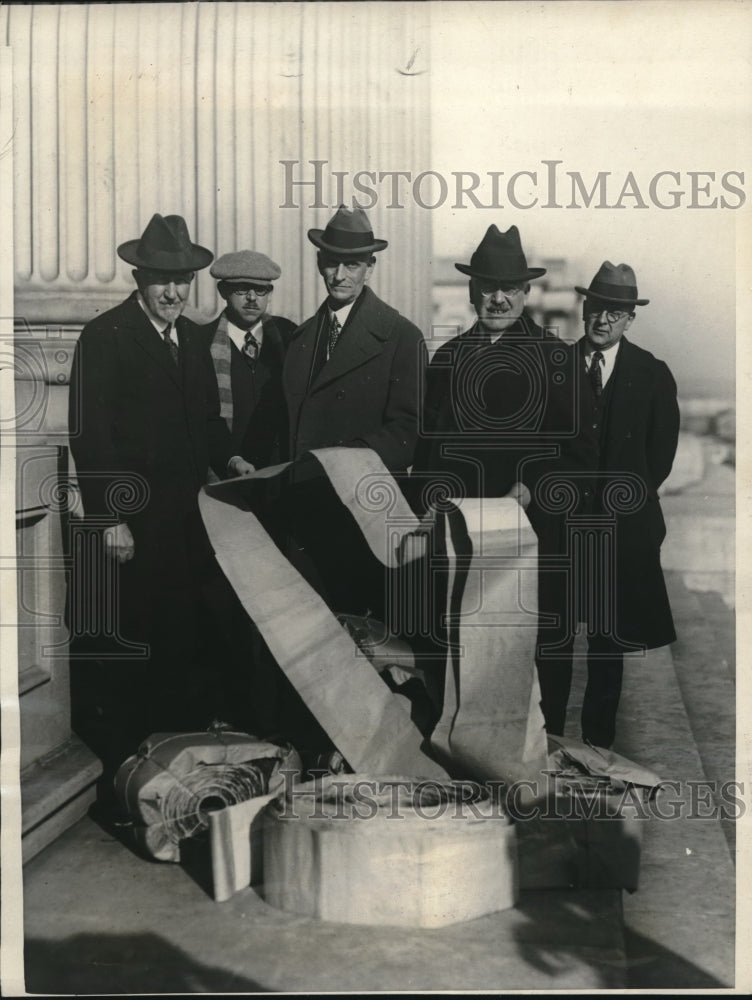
x,y
176,780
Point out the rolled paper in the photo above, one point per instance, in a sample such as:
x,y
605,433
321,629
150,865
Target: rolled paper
x,y
175,781
369,724
491,726
389,850
236,847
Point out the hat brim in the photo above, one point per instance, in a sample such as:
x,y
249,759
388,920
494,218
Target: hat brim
x,y
532,272
610,298
197,259
248,277
316,237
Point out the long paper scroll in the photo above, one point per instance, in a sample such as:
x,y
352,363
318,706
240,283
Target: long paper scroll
x,y
491,725
368,723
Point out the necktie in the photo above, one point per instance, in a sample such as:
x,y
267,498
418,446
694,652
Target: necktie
x,y
251,349
170,343
595,374
334,332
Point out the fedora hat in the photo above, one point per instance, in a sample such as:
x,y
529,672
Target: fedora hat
x,y
348,232
614,283
166,246
500,257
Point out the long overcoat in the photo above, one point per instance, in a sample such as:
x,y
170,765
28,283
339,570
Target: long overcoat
x,y
605,487
143,432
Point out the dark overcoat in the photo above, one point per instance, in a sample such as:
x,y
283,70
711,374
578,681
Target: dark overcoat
x,y
607,479
143,432
491,407
259,415
367,393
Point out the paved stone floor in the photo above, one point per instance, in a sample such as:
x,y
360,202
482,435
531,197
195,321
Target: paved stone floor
x,y
99,919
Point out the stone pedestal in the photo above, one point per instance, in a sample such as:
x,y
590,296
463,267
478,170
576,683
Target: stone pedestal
x,y
58,772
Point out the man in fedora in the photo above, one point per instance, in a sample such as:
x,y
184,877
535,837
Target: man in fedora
x,y
610,534
351,376
247,346
491,391
144,427
352,371
351,379
498,396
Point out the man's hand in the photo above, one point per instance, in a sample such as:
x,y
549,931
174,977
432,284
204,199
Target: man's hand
x,y
118,542
520,493
238,466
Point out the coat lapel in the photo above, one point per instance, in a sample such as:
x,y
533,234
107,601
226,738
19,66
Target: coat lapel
x,y
363,338
272,349
299,358
629,377
147,339
585,390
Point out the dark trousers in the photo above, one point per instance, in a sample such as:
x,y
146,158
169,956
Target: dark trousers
x,y
143,644
116,703
605,666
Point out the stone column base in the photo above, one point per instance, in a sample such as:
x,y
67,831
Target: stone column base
x,y
56,792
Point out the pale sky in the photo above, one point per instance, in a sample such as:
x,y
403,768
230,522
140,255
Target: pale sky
x,y
618,87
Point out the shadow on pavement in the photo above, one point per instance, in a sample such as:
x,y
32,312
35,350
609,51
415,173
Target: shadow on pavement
x,y
92,964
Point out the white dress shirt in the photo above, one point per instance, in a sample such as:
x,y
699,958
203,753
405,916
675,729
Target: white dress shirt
x,y
237,336
342,313
158,324
609,360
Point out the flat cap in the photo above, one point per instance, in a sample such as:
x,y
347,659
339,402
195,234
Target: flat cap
x,y
245,265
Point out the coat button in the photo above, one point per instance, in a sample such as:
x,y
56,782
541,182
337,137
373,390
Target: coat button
x,y
341,394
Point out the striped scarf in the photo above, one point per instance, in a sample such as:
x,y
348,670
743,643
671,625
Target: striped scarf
x,y
220,351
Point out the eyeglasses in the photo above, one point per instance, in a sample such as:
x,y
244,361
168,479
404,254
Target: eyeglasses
x,y
260,291
486,289
612,315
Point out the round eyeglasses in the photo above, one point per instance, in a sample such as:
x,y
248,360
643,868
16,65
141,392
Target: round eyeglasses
x,y
612,315
260,291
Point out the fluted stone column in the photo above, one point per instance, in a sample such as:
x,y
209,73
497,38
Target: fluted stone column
x,y
123,110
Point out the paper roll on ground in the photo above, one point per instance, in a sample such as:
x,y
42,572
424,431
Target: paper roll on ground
x,y
236,846
170,787
337,850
